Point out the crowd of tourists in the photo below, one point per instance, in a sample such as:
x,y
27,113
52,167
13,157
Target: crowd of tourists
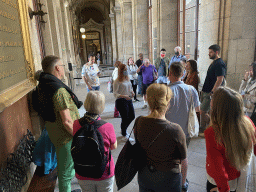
x,y
170,90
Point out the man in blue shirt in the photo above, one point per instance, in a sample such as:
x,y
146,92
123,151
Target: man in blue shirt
x,y
177,57
183,97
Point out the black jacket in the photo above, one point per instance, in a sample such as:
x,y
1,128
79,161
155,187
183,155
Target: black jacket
x,y
42,96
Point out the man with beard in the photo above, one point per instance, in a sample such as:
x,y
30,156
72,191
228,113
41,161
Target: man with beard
x,y
215,77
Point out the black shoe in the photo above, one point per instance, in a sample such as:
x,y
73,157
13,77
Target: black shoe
x,y
137,100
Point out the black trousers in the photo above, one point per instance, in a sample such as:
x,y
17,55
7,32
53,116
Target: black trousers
x,y
134,87
126,110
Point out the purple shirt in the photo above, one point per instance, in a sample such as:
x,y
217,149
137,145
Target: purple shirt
x,y
147,73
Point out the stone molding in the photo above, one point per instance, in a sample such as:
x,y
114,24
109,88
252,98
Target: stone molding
x,y
117,9
91,24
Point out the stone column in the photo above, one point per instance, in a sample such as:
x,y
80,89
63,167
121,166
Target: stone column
x,y
107,25
114,40
140,28
119,33
155,29
168,26
127,30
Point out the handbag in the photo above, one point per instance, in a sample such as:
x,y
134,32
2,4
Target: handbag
x,y
44,153
110,85
247,179
130,160
253,116
193,124
154,74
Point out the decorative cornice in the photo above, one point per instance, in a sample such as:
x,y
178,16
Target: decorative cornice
x,y
92,24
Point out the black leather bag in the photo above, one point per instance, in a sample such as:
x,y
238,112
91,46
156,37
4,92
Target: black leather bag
x,y
128,163
253,116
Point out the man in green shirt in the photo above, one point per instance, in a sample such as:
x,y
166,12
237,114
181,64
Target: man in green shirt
x,y
58,106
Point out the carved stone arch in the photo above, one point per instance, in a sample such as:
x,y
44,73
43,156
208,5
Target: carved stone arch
x,y
93,26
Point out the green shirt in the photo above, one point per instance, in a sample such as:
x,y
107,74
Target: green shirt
x,y
56,130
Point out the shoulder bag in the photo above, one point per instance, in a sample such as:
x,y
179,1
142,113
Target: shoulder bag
x,y
130,160
193,124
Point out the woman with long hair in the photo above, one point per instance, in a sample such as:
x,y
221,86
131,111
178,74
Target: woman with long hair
x,y
247,89
114,77
164,143
229,140
192,77
123,93
132,71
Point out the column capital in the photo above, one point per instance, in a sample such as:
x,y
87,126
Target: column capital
x,y
117,9
111,16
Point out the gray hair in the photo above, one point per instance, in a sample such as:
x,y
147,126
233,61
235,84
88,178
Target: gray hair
x,y
177,48
144,61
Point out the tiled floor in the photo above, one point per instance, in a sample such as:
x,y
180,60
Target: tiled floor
x,y
196,150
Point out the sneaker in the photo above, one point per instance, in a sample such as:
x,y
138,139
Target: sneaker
x,y
201,134
185,186
77,190
144,107
136,100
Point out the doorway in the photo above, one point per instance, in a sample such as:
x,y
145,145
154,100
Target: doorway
x,y
93,44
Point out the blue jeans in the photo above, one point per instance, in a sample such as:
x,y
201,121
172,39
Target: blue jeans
x,y
140,84
158,181
93,89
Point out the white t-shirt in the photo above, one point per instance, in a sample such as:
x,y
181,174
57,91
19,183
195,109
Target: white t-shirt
x,y
90,72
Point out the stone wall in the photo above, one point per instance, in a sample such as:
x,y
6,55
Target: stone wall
x,y
236,38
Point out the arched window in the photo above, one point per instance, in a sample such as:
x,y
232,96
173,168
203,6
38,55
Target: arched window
x,y
188,16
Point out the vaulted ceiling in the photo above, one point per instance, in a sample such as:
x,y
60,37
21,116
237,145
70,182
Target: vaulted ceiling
x,y
98,10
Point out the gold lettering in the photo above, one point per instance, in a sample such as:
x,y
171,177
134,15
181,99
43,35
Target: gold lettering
x,y
8,29
10,3
9,73
7,15
6,58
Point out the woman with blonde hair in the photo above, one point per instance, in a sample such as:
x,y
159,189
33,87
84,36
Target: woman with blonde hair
x,y
164,143
94,105
123,93
229,140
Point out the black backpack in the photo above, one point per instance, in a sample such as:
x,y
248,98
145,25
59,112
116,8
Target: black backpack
x,y
88,152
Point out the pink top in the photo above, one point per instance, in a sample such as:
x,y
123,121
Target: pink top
x,y
109,137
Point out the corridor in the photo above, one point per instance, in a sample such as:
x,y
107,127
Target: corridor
x,y
196,151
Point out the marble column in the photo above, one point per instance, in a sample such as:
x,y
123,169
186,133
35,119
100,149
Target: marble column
x,y
140,28
127,30
114,40
119,33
